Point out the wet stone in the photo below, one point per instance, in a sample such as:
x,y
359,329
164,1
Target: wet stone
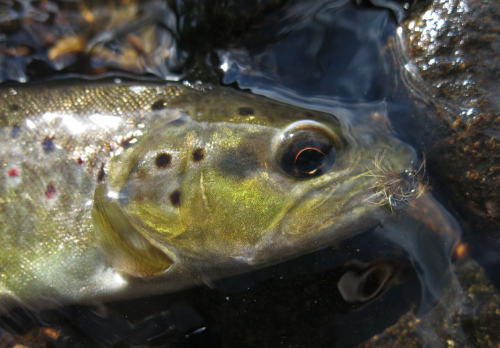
x,y
455,53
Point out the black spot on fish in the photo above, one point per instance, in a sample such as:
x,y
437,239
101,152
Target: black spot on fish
x,y
126,143
175,198
158,105
101,175
14,107
246,111
163,160
16,130
50,191
48,144
198,154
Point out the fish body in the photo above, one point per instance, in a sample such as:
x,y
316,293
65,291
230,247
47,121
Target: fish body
x,y
124,191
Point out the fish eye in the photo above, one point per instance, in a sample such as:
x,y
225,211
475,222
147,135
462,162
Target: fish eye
x,y
308,157
308,150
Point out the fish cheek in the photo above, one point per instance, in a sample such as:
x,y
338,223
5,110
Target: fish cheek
x,y
245,197
240,213
151,197
156,177
137,189
247,190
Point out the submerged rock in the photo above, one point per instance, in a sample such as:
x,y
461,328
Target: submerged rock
x,y
450,62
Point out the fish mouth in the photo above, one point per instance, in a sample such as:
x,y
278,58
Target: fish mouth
x,y
351,205
126,249
339,212
395,189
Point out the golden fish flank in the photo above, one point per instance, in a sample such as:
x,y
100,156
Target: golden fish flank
x,y
123,191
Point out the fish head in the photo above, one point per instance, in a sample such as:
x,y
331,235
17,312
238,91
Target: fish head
x,y
220,190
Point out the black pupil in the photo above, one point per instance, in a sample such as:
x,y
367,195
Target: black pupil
x,y
309,161
308,157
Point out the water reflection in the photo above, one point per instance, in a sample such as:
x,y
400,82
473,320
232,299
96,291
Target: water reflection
x,y
322,50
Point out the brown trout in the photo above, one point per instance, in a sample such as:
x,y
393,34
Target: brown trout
x,y
124,191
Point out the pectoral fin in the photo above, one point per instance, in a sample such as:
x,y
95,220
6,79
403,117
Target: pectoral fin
x,y
127,249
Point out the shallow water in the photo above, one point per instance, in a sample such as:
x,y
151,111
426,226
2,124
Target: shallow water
x,y
410,281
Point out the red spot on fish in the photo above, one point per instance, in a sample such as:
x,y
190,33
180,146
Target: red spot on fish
x,y
80,160
13,173
50,191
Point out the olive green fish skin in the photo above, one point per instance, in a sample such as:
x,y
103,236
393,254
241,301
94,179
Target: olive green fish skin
x,y
123,191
